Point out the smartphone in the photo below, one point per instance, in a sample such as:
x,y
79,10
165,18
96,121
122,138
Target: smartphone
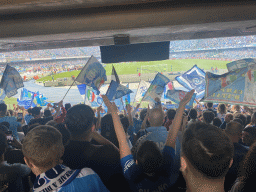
x,y
20,115
9,136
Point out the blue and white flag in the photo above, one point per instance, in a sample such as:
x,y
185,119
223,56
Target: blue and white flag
x,y
116,91
141,91
156,88
93,74
81,89
11,81
240,64
112,90
26,98
177,95
235,87
193,79
2,95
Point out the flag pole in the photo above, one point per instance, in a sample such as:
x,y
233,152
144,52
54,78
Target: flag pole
x,y
69,89
136,93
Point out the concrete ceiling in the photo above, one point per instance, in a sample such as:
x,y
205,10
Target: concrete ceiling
x,y
48,24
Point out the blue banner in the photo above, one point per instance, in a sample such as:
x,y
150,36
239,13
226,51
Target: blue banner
x,y
240,64
177,95
93,74
121,91
11,81
81,89
156,88
235,87
112,90
193,79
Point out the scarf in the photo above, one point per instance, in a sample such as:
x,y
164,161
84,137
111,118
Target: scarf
x,y
55,178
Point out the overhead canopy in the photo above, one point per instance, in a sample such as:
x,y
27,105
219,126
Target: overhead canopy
x,y
47,24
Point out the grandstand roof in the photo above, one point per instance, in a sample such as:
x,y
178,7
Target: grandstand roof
x,y
47,24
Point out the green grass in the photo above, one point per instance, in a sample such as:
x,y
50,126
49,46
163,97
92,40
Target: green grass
x,y
131,67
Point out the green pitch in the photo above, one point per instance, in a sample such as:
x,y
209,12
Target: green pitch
x,y
135,67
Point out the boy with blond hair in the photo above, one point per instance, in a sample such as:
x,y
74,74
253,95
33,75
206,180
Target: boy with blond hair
x,y
43,149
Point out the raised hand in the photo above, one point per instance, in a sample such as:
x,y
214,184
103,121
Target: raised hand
x,y
111,106
187,97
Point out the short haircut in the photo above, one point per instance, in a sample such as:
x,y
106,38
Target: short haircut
x,y
67,106
234,128
47,113
222,108
208,149
209,105
192,113
208,116
149,157
143,113
156,117
79,119
29,110
217,122
3,143
241,116
36,111
238,121
171,114
3,108
43,145
251,130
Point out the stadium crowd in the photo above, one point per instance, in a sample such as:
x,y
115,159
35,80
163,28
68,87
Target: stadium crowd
x,y
72,148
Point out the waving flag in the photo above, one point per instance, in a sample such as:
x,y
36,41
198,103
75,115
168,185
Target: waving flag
x,y
11,81
114,75
193,79
93,74
177,95
235,87
41,100
116,91
156,88
240,63
141,91
26,98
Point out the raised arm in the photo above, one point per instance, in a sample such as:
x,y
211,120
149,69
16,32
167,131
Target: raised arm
x,y
173,132
120,133
129,111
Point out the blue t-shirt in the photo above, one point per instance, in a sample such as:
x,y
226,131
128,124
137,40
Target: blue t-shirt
x,y
13,125
140,182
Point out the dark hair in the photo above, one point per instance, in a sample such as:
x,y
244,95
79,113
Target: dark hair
x,y
30,127
3,108
108,130
6,124
192,113
67,106
208,116
171,114
209,105
121,116
222,108
3,143
125,123
149,157
248,119
143,113
242,117
29,110
36,111
208,149
238,121
47,113
64,132
247,170
79,119
217,122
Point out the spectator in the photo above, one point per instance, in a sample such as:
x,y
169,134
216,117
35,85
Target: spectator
x,y
42,149
14,125
216,122
170,115
193,116
11,174
253,120
29,116
64,132
236,109
227,119
207,154
221,112
210,108
247,172
240,116
67,106
80,153
234,131
249,135
238,121
208,117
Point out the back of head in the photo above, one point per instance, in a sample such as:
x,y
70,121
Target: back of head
x,y
208,116
208,149
222,109
3,143
29,110
79,119
36,111
240,116
43,146
64,132
108,130
217,122
193,113
209,105
149,157
67,106
234,128
237,108
171,114
47,113
251,130
3,109
156,117
143,113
